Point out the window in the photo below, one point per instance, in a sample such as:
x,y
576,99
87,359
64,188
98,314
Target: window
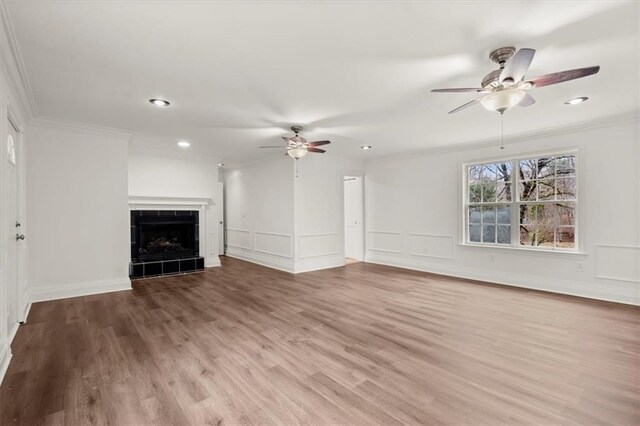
x,y
525,202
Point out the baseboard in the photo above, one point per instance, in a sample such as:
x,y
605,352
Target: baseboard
x,y
27,307
629,295
319,263
13,332
281,265
5,359
41,294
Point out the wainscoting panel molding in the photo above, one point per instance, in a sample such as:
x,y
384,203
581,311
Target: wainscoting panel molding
x,y
427,245
617,262
273,243
240,238
623,292
317,245
385,241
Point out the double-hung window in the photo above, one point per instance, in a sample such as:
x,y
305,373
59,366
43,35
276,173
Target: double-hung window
x,y
522,202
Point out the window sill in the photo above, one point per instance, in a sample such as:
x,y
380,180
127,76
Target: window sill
x,y
551,252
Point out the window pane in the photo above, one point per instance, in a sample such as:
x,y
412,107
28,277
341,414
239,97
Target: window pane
x,y
546,189
474,233
488,233
566,237
528,169
489,192
475,174
566,166
528,190
475,193
566,189
504,214
489,215
474,215
542,218
489,173
504,234
527,214
527,235
546,167
503,191
565,215
503,172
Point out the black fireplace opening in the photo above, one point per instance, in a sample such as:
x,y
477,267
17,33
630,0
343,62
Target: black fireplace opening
x,y
164,235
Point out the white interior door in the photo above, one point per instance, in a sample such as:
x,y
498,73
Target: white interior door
x,y
353,213
221,219
13,226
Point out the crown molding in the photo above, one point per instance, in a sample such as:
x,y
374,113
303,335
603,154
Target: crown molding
x,y
615,120
183,154
48,122
13,65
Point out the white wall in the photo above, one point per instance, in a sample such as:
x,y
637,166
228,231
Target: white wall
x,y
259,209
319,214
414,204
77,211
291,223
179,176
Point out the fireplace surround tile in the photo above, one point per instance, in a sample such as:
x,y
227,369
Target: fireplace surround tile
x,y
162,242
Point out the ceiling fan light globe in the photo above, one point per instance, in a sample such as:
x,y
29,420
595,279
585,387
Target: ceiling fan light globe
x,y
502,100
297,152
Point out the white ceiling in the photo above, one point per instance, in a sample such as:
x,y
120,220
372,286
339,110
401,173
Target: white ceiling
x,y
239,74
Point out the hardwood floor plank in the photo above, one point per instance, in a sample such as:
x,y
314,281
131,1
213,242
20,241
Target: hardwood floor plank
x,y
363,344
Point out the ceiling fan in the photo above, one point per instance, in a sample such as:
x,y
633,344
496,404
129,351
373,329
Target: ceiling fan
x,y
506,87
297,146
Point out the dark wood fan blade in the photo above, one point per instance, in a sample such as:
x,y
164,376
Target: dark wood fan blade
x,y
316,150
458,90
517,66
467,105
319,143
527,101
562,76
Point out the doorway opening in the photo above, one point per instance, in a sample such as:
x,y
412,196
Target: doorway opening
x,y
353,219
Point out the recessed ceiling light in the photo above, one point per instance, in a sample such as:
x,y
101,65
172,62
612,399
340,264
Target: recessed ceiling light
x,y
576,101
184,144
365,147
159,102
220,164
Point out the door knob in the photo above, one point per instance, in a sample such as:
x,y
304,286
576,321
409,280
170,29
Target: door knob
x,y
19,237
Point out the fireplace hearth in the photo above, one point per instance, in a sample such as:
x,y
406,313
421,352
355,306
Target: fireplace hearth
x,y
164,242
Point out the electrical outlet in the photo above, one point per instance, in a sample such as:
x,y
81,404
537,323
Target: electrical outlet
x,y
580,266
491,258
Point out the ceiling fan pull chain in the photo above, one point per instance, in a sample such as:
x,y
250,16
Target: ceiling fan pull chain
x,y
502,130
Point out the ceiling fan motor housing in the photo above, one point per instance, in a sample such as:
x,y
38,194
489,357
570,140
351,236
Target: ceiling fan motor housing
x,y
499,56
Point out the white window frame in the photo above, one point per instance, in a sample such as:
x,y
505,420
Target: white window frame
x,y
515,203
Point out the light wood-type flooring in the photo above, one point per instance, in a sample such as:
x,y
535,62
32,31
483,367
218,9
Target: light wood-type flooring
x,y
360,345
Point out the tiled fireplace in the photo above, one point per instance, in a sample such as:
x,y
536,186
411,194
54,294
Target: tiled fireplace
x,y
165,242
